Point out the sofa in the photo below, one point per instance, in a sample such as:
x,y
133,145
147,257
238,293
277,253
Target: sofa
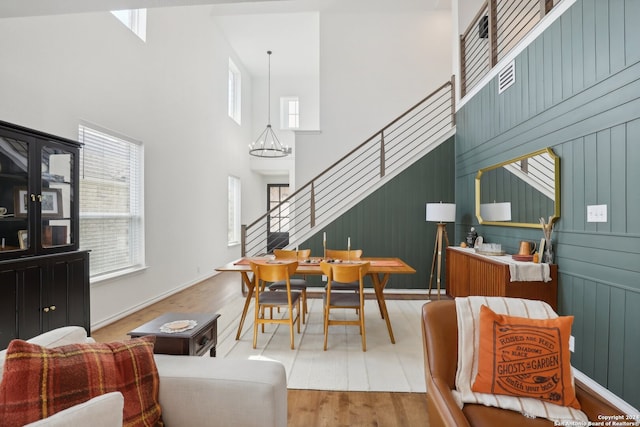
x,y
440,340
193,391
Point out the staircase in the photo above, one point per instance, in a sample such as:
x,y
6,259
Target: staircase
x,y
364,169
496,29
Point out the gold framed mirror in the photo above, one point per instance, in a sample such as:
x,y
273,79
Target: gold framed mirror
x,y
520,191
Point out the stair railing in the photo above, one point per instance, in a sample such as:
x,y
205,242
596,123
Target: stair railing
x,y
496,29
337,188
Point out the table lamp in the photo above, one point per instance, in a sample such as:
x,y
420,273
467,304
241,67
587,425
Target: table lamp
x,y
495,211
440,213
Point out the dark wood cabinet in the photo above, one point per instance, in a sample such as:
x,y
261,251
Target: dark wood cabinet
x,y
44,279
472,274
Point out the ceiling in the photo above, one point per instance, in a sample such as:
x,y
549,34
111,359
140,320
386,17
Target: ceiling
x,y
251,26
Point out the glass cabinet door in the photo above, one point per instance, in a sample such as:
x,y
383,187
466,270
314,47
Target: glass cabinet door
x,y
56,196
14,194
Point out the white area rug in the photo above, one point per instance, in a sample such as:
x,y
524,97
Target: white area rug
x,y
344,366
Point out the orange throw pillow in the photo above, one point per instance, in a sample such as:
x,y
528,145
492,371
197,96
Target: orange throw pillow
x,y
39,381
525,357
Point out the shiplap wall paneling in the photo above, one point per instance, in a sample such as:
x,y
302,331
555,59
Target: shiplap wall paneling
x,y
392,220
577,90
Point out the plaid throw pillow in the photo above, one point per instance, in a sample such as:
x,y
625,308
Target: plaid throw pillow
x,y
39,381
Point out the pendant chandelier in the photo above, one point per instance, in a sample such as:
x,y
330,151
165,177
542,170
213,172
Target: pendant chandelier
x,y
268,144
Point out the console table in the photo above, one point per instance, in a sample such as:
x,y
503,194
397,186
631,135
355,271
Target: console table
x,y
469,273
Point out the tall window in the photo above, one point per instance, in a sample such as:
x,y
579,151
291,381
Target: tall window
x,y
234,203
135,20
235,92
289,112
278,219
111,201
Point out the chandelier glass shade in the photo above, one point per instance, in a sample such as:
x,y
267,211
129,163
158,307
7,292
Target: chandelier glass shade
x,y
268,144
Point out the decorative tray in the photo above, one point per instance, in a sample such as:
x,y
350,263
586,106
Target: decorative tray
x,y
178,326
492,253
522,257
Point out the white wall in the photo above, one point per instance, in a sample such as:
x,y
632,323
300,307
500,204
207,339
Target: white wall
x,y
373,67
170,93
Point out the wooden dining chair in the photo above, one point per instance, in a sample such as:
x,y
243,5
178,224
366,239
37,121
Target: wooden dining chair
x,y
338,273
273,271
344,255
297,284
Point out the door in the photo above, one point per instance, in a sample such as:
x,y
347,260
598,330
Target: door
x,y
278,232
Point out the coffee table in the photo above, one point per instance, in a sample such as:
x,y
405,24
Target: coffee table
x,y
192,342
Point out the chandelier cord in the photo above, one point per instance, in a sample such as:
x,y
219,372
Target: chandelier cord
x,y
269,91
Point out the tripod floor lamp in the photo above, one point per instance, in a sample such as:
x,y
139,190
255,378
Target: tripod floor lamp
x,y
440,213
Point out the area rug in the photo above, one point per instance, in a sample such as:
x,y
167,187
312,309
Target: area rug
x,y
344,366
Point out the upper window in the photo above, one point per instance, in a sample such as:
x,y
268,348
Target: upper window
x,y
111,201
289,112
233,221
235,93
135,20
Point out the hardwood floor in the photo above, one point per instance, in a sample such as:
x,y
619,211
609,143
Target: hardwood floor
x,y
306,407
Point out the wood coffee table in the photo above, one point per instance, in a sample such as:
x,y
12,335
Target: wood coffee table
x,y
193,342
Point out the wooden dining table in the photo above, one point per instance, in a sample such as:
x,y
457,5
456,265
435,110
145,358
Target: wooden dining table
x,y
380,270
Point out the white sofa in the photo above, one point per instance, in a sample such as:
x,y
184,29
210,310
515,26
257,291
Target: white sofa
x,y
194,391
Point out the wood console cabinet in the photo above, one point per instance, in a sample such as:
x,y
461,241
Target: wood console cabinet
x,y
472,274
44,278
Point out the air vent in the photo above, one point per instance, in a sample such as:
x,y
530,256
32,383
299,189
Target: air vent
x,y
507,77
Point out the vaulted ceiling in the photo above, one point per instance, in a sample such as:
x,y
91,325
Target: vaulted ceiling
x,y
290,28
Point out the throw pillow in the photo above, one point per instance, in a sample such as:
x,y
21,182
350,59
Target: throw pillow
x,y
39,382
468,317
525,357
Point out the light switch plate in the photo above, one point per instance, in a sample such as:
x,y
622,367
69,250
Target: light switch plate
x,y
596,213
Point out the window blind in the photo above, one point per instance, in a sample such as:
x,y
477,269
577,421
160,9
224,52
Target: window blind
x,y
111,205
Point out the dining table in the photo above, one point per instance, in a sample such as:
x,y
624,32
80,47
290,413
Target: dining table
x,y
380,270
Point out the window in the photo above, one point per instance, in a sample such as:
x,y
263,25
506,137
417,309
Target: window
x,y
278,219
235,87
289,113
111,201
233,224
135,20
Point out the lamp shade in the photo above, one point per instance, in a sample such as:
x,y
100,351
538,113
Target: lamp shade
x,y
441,212
496,211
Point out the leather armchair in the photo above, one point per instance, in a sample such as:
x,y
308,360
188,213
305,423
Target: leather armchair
x,y
440,340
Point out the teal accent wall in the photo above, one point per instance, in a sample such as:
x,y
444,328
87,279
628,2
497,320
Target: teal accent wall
x,y
577,90
391,222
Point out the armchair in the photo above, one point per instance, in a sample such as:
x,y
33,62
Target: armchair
x,y
440,340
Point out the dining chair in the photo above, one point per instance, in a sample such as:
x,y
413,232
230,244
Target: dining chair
x,y
345,255
338,273
297,284
273,271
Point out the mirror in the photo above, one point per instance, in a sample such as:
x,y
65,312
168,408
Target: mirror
x,y
527,187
